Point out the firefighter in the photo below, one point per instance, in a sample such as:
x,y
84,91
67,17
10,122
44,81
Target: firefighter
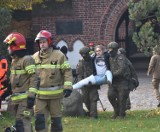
x,y
55,82
23,81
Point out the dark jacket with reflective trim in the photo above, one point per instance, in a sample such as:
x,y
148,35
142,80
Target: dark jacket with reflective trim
x,y
23,76
54,70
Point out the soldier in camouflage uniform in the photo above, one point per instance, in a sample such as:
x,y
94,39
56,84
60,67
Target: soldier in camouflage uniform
x,y
84,69
118,93
122,51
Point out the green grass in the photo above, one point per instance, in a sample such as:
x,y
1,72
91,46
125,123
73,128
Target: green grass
x,y
135,121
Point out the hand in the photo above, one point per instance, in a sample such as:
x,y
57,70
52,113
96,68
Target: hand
x,y
5,83
30,102
67,92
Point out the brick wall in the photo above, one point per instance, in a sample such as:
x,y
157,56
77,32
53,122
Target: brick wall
x,y
99,19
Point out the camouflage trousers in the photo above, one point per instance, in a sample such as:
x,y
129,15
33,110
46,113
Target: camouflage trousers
x,y
155,83
118,94
90,97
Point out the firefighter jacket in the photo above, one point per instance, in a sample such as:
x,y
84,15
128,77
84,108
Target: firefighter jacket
x,y
3,70
54,72
23,78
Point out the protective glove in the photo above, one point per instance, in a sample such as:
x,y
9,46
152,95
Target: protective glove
x,y
67,92
5,83
30,102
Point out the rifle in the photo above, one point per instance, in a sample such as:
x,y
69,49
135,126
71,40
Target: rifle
x,y
104,109
75,77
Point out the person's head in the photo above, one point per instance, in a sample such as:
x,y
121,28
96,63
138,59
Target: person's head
x,y
99,50
91,46
85,53
64,49
122,51
16,44
113,48
44,39
156,50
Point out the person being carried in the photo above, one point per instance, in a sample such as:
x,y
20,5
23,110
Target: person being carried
x,y
102,73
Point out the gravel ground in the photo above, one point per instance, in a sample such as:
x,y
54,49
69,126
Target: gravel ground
x,y
142,98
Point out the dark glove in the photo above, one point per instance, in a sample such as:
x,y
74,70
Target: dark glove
x,y
67,92
30,102
5,83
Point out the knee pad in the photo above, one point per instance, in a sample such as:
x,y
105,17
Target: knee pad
x,y
19,126
40,122
56,124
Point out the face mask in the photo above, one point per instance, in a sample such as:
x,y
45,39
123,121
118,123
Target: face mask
x,y
113,53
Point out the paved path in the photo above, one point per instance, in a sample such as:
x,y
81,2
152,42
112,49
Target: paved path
x,y
142,98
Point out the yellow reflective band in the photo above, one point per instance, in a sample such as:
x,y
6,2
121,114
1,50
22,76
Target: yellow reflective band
x,y
11,40
31,71
22,46
19,72
50,92
68,83
29,67
26,113
46,66
65,65
18,97
34,90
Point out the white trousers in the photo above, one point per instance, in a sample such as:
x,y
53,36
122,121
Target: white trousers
x,y
94,80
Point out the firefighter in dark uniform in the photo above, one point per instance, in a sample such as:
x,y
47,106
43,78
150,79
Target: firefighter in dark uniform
x,y
118,93
23,81
55,82
84,69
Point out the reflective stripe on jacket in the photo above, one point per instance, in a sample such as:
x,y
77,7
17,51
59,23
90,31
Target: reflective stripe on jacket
x,y
23,76
54,71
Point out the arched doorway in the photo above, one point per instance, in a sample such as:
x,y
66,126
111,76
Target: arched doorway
x,y
123,36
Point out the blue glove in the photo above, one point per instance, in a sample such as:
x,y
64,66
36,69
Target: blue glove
x,y
67,92
30,102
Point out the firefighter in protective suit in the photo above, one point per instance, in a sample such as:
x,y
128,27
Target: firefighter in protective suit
x,y
55,82
23,81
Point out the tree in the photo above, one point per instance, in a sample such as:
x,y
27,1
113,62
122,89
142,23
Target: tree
x,y
146,15
19,4
5,17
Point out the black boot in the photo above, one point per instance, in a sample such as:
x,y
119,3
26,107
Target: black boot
x,y
10,129
56,124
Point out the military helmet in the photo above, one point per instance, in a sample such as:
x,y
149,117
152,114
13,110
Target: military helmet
x,y
113,45
84,50
122,51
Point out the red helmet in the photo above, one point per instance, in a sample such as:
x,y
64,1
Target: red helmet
x,y
16,41
91,44
44,34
